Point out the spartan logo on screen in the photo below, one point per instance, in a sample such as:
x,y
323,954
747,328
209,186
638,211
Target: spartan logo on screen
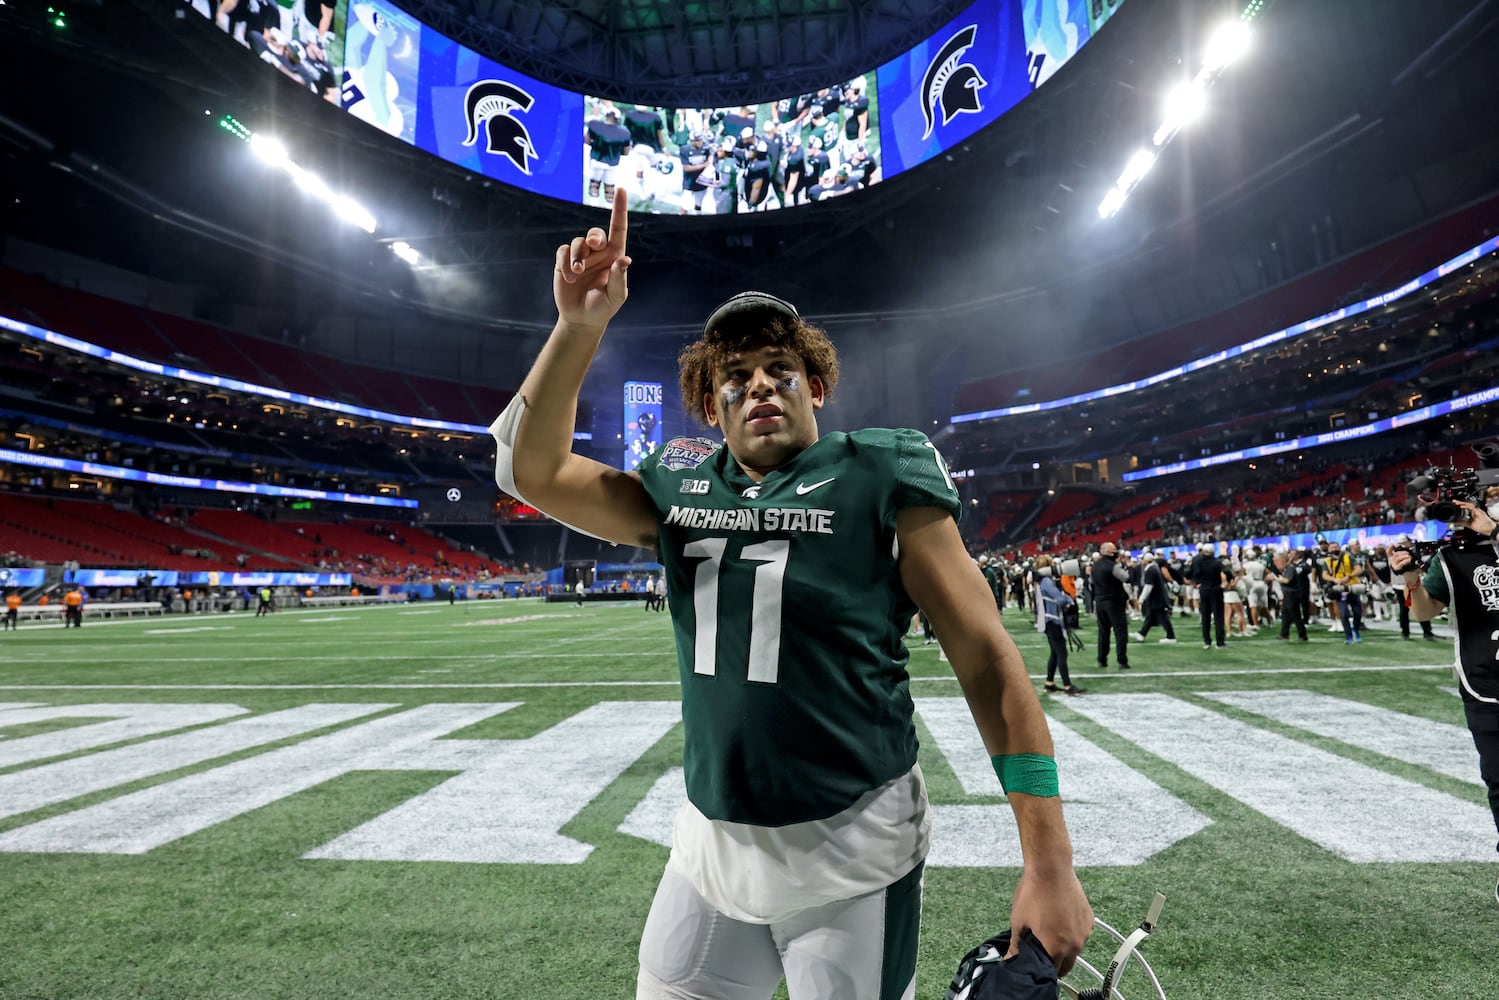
x,y
953,83
493,104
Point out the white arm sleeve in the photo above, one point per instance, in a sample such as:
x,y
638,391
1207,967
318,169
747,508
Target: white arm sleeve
x,y
504,429
1145,592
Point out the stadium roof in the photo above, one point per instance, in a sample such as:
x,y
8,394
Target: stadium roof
x,y
1352,120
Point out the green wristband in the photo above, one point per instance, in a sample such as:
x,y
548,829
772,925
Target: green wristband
x,y
1026,774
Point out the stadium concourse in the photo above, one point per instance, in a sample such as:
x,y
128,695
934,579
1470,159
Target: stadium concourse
x,y
1210,283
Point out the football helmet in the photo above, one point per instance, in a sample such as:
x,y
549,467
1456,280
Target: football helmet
x,y
1030,975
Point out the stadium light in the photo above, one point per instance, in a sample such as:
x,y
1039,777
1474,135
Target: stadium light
x,y
270,150
1138,166
406,252
1111,204
1185,103
352,212
1229,42
310,182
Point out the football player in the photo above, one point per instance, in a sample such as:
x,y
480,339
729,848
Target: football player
x,y
863,167
646,128
818,162
698,175
774,151
795,183
856,117
607,142
759,172
799,853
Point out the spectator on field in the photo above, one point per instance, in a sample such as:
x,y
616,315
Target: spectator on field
x,y
1155,598
1206,570
1050,600
1110,605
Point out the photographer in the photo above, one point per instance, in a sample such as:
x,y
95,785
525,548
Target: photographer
x,y
1465,576
1051,602
1344,575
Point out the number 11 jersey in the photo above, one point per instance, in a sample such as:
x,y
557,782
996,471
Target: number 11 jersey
x,y
789,615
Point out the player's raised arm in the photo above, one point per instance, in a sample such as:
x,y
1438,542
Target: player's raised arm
x,y
534,434
938,574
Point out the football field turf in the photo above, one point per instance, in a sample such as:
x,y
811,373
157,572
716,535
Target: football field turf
x,y
472,801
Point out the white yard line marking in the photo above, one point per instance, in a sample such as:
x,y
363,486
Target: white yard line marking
x,y
1093,784
1352,810
125,722
189,628
535,656
1440,746
51,783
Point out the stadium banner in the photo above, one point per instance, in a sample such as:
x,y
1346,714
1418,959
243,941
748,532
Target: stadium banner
x,y
1369,536
13,576
497,121
642,422
302,41
978,66
216,578
121,577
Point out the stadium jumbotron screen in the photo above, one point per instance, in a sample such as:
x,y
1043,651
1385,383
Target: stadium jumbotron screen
x,y
395,73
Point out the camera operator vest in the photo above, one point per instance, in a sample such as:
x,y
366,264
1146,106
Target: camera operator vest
x,y
1473,582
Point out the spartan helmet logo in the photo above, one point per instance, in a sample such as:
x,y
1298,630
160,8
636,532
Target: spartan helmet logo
x,y
493,104
953,84
1486,579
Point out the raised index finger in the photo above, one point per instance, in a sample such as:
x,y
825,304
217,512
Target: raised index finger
x,y
619,221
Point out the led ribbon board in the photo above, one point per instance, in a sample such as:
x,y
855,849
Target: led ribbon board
x,y
194,482
1307,326
225,382
23,578
1481,398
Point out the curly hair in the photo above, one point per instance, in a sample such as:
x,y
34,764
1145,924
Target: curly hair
x,y
698,361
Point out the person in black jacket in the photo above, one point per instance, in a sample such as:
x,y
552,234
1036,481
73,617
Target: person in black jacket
x,y
1155,600
1464,574
1295,589
1110,604
1206,570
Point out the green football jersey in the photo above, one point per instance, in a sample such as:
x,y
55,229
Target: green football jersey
x,y
795,695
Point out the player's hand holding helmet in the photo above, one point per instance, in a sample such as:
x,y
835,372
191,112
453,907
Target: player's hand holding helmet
x,y
1029,973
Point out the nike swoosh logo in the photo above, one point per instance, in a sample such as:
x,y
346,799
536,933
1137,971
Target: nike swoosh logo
x,y
802,490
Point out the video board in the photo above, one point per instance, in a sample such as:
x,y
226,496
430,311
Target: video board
x,y
642,422
388,69
978,66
